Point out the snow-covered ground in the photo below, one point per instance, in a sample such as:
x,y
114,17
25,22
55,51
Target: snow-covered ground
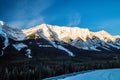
x,y
106,74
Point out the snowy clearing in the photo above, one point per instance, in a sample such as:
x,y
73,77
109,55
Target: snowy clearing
x,y
105,74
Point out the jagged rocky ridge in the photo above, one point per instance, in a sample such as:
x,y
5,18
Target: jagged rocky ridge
x,y
63,40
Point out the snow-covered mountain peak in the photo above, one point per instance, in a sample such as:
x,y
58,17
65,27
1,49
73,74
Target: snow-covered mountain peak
x,y
103,32
117,36
33,30
58,35
13,33
105,36
69,33
63,33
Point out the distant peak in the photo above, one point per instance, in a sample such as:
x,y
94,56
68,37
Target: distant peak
x,y
103,31
117,36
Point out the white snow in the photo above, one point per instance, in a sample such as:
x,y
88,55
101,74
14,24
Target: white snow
x,y
63,33
13,33
62,48
105,36
71,33
55,36
106,48
117,44
28,53
1,23
90,44
106,74
40,33
6,42
44,45
94,48
58,32
66,50
19,46
118,47
82,38
85,48
54,44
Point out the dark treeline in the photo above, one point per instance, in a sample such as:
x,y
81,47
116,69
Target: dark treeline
x,y
37,69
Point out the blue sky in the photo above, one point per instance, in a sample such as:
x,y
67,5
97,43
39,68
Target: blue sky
x,y
93,14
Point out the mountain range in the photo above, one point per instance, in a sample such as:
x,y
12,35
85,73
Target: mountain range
x,y
52,40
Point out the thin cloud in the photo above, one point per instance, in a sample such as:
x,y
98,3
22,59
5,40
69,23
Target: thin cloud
x,y
74,19
34,22
16,24
27,23
109,23
111,26
27,14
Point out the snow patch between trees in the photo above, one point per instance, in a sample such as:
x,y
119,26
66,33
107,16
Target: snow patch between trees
x,y
21,46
